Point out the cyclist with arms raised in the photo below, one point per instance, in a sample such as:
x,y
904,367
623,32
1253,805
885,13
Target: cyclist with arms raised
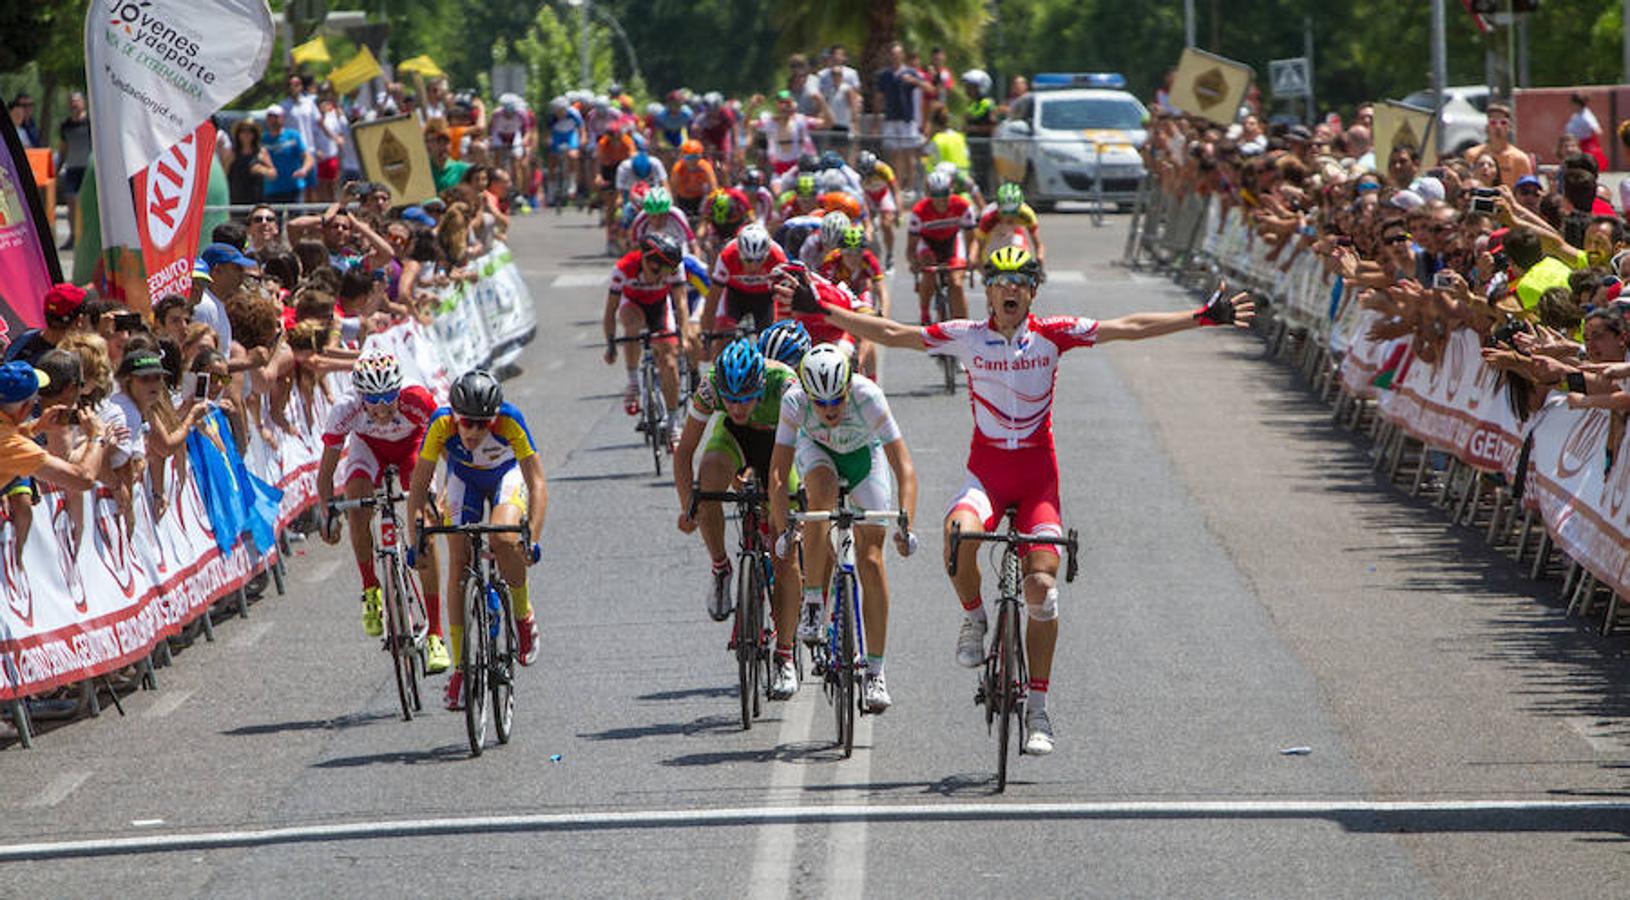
x,y
837,428
493,464
738,406
380,425
1012,361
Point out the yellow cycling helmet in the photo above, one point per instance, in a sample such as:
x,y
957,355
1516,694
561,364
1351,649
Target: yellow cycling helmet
x,y
1012,259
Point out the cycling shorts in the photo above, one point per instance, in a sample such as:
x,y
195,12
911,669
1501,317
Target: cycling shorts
x,y
943,253
658,316
672,139
883,206
746,447
690,206
368,459
865,471
471,492
608,176
1026,478
738,304
559,141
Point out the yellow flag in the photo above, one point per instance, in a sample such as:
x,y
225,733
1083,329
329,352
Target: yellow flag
x,y
424,65
1210,86
361,69
312,51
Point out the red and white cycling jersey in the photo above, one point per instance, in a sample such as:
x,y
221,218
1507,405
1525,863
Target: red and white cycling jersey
x,y
628,279
1010,382
821,330
941,225
730,272
674,224
391,439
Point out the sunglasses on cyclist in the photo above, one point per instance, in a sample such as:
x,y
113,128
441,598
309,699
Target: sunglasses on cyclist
x,y
381,398
1003,279
828,404
473,424
747,398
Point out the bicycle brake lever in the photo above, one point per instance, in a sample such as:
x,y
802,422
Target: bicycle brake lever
x,y
956,540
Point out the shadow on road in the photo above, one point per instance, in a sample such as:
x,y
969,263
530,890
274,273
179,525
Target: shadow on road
x,y
692,693
339,723
443,754
703,725
802,752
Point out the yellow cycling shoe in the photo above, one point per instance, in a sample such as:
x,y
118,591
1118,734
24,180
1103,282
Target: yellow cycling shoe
x,y
436,658
373,606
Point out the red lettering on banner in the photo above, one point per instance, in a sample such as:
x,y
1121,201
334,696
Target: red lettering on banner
x,y
164,207
19,595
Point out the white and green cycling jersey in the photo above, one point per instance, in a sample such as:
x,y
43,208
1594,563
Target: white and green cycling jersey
x,y
852,448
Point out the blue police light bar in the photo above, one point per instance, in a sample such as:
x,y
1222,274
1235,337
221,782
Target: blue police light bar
x,y
1057,80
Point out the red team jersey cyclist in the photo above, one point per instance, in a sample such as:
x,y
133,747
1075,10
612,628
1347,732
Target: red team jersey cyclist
x,y
934,236
647,293
742,279
379,425
1012,362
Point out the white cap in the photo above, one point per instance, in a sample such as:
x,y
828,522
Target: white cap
x,y
1428,187
1407,200
273,110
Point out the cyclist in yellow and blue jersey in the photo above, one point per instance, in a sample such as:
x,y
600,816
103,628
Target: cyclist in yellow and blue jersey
x,y
492,463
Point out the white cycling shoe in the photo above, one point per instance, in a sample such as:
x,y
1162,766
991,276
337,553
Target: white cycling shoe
x,y
1038,729
783,680
875,694
970,643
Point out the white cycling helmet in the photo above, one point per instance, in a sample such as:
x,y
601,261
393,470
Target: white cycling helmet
x,y
939,183
824,373
652,109
558,104
979,78
376,374
832,181
753,243
833,225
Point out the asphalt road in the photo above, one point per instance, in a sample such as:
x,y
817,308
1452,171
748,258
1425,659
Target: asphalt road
x,y
1247,587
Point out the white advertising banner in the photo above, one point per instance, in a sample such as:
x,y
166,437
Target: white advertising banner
x,y
1584,504
1459,405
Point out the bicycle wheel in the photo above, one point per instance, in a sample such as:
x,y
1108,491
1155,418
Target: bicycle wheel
x,y
397,639
473,657
845,702
746,639
656,415
942,310
503,669
1007,687
764,645
418,629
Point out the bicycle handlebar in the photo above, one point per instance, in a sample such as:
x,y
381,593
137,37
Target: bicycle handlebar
x,y
644,337
1070,543
848,515
698,496
522,529
373,500
738,331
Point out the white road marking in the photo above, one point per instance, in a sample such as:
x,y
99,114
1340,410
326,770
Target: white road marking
x,y
59,788
773,855
846,848
251,635
1066,276
1611,810
1601,734
168,703
579,280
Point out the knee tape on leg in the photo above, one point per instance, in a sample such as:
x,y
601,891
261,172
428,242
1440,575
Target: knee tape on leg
x,y
1047,610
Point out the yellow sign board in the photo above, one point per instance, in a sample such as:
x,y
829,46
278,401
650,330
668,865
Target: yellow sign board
x,y
1397,124
1210,86
393,154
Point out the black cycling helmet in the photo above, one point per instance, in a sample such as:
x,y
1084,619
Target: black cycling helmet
x,y
476,395
809,162
662,247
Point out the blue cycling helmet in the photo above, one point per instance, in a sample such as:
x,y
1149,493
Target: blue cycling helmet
x,y
739,371
642,165
785,342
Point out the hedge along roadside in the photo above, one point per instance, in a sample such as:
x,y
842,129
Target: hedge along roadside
x,y
74,609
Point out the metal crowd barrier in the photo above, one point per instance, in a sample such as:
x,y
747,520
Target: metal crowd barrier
x,y
1310,321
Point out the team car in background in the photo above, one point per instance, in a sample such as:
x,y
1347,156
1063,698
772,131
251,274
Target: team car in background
x,y
1057,138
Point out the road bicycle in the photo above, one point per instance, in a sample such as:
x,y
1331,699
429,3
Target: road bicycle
x,y
842,660
1004,679
653,420
489,655
406,625
940,305
753,638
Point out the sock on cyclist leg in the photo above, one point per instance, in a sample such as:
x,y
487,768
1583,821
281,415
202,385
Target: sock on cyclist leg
x,y
370,578
455,642
432,609
783,654
520,601
633,377
874,664
1037,699
976,610
722,564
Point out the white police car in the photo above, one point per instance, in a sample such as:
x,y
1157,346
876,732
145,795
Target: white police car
x,y
1071,126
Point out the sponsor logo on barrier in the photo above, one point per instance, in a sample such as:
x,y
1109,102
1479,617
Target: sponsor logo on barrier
x,y
111,540
19,596
1617,485
1583,445
68,548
